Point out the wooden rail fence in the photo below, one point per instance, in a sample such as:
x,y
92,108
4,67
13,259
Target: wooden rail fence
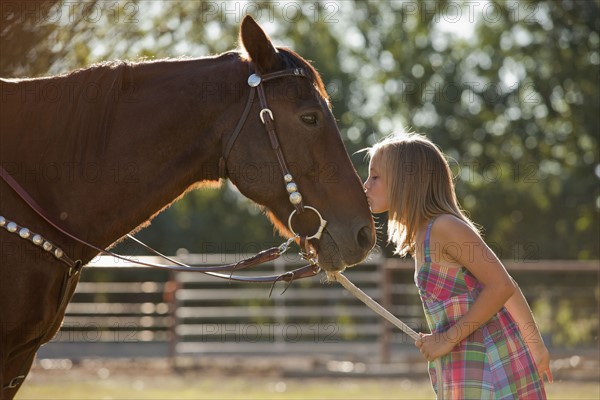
x,y
123,310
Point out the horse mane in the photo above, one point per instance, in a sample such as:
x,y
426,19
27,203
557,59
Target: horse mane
x,y
78,106
84,103
84,111
113,80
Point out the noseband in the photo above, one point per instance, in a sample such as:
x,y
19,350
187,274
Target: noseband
x,y
256,83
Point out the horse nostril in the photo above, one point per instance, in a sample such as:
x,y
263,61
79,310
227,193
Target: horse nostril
x,y
365,238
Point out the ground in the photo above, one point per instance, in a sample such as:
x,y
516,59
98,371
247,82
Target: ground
x,y
235,378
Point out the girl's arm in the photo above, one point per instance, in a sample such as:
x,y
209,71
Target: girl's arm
x,y
519,309
456,243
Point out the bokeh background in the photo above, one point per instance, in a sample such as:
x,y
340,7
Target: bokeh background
x,y
509,90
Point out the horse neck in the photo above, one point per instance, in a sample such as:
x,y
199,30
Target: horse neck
x,y
153,139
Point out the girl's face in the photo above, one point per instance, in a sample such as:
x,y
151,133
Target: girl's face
x,y
375,188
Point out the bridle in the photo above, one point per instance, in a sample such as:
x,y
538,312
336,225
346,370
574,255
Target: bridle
x,y
255,81
266,116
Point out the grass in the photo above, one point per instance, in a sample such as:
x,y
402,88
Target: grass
x,y
169,387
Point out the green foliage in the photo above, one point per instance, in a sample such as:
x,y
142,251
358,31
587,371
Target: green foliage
x,y
512,98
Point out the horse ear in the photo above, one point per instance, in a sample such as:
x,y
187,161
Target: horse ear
x,y
258,46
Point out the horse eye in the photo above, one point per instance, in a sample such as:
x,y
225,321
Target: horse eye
x,y
309,119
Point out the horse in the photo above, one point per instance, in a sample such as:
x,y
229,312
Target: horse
x,y
103,149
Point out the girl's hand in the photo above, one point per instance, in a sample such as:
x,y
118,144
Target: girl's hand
x,y
541,356
435,345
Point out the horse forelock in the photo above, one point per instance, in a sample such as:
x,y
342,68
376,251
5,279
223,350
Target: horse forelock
x,y
291,59
294,60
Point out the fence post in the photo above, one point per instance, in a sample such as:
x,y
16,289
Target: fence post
x,y
171,287
385,287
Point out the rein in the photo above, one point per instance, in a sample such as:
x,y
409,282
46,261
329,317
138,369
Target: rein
x,y
379,309
267,118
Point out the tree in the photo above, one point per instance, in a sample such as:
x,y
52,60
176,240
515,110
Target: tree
x,y
509,90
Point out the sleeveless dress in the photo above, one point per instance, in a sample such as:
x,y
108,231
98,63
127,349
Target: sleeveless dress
x,y
493,362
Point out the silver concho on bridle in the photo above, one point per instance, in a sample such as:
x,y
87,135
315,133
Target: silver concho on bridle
x,y
254,80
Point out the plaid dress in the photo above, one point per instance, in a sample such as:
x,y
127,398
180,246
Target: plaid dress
x,y
493,362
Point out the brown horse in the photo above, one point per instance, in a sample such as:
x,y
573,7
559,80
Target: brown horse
x,y
104,149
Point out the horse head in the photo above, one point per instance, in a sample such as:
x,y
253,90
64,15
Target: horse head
x,y
310,142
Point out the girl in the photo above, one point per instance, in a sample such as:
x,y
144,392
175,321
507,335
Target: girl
x,y
482,327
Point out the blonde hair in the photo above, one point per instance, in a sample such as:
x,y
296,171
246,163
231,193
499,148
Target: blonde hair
x,y
419,186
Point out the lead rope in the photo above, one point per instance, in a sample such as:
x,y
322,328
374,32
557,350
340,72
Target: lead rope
x,y
373,305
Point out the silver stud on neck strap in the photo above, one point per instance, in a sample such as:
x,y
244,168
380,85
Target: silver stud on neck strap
x,y
26,234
